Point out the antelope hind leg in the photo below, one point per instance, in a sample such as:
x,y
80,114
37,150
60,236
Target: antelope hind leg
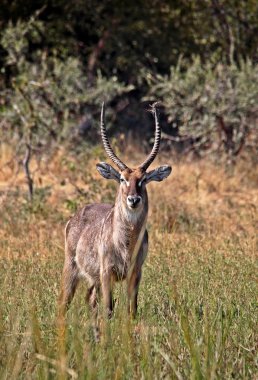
x,y
69,284
92,297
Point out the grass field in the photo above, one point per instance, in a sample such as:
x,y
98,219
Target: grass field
x,y
197,307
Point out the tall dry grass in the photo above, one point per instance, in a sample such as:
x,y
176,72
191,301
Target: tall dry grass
x,y
197,308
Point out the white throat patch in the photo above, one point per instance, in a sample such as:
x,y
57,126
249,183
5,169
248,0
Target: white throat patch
x,y
132,215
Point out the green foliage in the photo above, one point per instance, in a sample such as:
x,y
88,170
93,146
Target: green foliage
x,y
122,38
213,106
47,92
59,62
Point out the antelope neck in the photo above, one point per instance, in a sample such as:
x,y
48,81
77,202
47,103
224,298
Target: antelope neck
x,y
127,223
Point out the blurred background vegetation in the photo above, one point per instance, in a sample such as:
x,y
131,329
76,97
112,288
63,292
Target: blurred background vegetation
x,y
59,60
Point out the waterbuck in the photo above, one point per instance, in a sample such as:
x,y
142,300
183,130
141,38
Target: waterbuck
x,y
107,243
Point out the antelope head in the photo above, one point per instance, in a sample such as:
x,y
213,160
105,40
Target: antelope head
x,y
132,190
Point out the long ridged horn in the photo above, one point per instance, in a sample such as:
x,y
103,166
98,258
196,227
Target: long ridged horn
x,y
106,143
156,145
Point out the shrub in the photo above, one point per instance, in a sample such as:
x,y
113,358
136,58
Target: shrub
x,y
46,92
213,107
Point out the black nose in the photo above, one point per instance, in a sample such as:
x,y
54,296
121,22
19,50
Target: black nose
x,y
133,200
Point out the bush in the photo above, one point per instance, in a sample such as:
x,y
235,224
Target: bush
x,y
213,107
48,90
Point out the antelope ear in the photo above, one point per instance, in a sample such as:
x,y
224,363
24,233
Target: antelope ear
x,y
108,172
158,174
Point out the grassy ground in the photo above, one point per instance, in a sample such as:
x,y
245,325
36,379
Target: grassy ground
x,y
197,302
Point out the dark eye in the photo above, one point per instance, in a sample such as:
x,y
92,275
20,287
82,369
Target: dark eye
x,y
141,182
122,180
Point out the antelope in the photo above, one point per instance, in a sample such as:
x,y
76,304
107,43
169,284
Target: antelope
x,y
108,243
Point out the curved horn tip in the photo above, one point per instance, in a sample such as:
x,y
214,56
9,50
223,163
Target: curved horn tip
x,y
156,145
154,105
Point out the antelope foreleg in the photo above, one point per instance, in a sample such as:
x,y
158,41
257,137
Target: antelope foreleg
x,y
107,292
132,292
